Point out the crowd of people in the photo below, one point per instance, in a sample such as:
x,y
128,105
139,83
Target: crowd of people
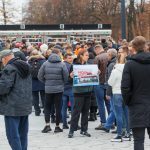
x,y
40,72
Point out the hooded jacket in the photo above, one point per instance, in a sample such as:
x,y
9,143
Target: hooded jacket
x,y
135,89
15,89
36,84
19,54
115,78
54,74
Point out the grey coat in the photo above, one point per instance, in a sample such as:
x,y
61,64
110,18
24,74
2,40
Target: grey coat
x,y
54,74
15,89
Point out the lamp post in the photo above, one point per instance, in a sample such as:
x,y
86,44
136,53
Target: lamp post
x,y
123,19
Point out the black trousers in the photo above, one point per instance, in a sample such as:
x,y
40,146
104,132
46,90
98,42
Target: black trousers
x,y
81,106
139,136
50,99
36,98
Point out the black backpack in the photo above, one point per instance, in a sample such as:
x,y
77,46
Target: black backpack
x,y
35,66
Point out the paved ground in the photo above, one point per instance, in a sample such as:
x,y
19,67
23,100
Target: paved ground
x,y
51,141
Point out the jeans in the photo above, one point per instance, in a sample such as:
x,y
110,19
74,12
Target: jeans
x,y
121,112
111,117
17,132
35,95
67,95
53,98
99,93
139,136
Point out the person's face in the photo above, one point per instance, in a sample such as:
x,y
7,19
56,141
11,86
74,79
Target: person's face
x,y
131,50
122,53
85,47
97,51
85,56
4,61
69,59
77,46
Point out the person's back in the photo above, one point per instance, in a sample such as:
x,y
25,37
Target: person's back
x,y
19,98
54,74
15,99
135,89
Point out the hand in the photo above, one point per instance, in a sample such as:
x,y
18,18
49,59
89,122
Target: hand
x,y
99,72
108,97
71,74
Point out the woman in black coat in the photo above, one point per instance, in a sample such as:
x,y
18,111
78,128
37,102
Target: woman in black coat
x,y
136,91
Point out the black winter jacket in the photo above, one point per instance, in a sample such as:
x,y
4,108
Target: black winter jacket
x,y
135,88
16,89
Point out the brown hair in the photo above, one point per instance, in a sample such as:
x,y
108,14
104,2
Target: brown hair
x,y
67,54
139,43
81,52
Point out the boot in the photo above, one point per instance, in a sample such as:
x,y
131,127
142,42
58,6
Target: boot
x,y
92,118
95,116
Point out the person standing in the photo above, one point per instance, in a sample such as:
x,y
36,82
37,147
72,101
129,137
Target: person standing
x,y
54,74
101,60
36,60
68,93
82,98
16,99
120,110
136,91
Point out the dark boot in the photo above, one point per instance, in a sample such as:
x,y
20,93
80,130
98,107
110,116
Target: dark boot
x,y
46,129
95,116
58,129
92,118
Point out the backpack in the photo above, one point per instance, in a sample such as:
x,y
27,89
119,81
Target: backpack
x,y
35,66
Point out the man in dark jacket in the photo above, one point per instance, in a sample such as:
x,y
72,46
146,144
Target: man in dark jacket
x,y
53,73
16,99
68,93
135,88
101,60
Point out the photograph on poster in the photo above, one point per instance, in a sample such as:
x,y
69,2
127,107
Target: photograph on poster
x,y
85,75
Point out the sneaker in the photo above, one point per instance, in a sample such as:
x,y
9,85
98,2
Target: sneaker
x,y
85,133
117,139
58,129
114,132
65,126
46,129
127,137
100,127
70,135
37,113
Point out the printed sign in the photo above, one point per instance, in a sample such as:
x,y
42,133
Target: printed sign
x,y
85,75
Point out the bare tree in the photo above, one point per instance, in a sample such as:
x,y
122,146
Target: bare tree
x,y
7,12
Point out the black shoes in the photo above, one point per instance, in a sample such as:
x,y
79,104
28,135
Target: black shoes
x,y
85,133
65,126
58,129
70,135
117,139
46,129
92,118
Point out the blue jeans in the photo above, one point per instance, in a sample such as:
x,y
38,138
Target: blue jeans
x,y
111,117
121,112
17,132
99,93
67,95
